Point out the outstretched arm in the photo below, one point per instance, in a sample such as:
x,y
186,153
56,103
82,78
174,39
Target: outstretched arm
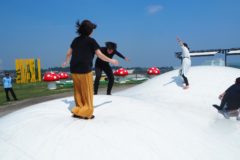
x,y
68,56
180,41
120,55
126,59
105,58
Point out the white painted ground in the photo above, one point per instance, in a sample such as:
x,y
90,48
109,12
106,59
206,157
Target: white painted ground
x,y
152,121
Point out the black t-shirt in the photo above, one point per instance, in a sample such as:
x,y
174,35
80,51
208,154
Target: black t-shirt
x,y
83,51
100,62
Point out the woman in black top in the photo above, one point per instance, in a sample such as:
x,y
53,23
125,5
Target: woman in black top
x,y
81,52
100,65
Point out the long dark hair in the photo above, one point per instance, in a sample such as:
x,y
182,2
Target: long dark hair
x,y
186,45
85,27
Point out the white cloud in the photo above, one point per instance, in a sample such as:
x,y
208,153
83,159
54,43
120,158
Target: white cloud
x,y
153,9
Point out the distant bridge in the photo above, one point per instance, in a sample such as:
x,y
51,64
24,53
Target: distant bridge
x,y
213,52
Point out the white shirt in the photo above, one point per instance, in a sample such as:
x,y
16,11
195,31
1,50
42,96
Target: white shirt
x,y
186,61
185,52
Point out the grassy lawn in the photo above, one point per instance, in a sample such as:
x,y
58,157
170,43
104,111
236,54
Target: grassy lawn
x,y
32,90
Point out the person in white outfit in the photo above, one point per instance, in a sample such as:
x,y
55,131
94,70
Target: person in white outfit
x,y
186,62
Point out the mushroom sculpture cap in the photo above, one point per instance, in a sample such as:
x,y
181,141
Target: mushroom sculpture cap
x,y
50,76
153,71
121,72
63,75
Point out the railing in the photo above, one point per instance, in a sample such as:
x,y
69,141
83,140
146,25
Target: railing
x,y
212,52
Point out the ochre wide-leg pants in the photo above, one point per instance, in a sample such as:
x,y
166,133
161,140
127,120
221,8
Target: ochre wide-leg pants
x,y
83,94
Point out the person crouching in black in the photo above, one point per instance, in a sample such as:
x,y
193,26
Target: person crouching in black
x,y
100,65
230,100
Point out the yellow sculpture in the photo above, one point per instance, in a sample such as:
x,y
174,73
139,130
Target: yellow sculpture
x,y
28,70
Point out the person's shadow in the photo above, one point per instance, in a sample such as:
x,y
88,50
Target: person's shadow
x,y
71,104
177,80
101,104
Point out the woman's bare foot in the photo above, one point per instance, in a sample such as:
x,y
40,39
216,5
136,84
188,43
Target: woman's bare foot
x,y
185,87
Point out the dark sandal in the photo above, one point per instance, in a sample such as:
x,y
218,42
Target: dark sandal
x,y
90,117
80,117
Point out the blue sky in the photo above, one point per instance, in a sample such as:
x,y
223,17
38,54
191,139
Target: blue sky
x,y
145,30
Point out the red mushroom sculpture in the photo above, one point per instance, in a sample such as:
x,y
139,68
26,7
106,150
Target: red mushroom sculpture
x,y
121,74
51,78
153,71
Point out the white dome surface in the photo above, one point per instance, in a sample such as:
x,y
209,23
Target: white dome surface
x,y
154,120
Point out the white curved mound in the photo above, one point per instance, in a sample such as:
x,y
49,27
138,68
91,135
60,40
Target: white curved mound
x,y
154,120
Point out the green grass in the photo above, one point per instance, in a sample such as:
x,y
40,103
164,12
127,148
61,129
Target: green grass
x,y
32,90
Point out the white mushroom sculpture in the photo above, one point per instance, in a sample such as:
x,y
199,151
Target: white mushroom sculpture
x,y
51,78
